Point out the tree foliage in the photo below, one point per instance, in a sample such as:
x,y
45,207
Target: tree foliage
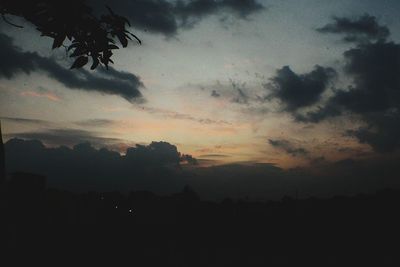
x,y
73,23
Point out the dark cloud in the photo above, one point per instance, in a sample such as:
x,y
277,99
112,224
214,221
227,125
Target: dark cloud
x,y
375,69
83,167
374,96
288,147
373,64
167,17
300,90
358,29
192,11
382,132
157,153
15,61
321,113
189,159
69,137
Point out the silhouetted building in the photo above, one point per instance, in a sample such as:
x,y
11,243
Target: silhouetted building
x,y
27,183
2,160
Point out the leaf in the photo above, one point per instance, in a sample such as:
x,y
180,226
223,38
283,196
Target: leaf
x,y
80,62
95,63
137,38
58,40
78,52
126,21
110,40
123,40
110,10
72,46
113,47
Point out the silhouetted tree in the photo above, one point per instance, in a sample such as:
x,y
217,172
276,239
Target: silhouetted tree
x,y
73,22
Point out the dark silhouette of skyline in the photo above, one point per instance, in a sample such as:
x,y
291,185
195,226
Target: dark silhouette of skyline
x,y
2,159
182,229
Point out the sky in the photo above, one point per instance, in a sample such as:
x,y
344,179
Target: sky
x,y
289,84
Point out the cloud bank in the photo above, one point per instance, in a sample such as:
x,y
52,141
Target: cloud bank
x,y
153,167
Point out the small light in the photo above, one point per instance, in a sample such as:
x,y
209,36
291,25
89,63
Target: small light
x,y
130,211
116,207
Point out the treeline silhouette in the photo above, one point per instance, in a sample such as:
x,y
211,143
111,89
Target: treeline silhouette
x,y
183,230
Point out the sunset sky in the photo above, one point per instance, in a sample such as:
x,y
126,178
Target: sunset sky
x,y
281,82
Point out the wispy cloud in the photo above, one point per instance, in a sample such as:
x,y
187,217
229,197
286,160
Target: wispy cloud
x,y
49,96
213,156
181,116
25,120
95,123
68,137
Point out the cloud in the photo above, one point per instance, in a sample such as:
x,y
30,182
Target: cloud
x,y
156,153
374,95
14,61
214,156
360,29
233,91
193,10
240,96
382,132
181,116
374,68
95,123
25,120
296,91
69,137
189,159
321,113
167,17
215,94
288,147
49,96
83,167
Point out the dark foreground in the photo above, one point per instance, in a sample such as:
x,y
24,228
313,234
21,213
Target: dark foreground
x,y
143,229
